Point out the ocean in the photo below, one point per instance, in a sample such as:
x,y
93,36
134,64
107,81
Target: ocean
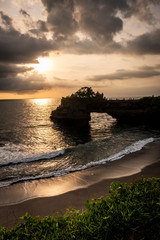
x,y
33,147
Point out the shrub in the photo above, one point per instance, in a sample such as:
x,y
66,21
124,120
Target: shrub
x,y
129,212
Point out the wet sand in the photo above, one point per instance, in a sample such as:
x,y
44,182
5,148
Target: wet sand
x,y
49,196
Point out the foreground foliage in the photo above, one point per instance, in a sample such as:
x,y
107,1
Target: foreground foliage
x,y
129,212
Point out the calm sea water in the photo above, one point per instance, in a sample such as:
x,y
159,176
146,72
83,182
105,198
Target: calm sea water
x,y
33,147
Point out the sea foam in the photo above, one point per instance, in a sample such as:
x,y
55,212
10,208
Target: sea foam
x,y
136,146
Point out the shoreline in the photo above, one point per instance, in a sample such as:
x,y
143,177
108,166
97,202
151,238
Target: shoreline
x,y
72,190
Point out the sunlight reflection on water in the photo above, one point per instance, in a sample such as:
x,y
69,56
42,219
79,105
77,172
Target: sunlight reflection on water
x,y
27,135
42,101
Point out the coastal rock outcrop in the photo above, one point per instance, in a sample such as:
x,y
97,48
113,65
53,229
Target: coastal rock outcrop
x,y
78,106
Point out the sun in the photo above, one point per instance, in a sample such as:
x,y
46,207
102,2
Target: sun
x,y
43,65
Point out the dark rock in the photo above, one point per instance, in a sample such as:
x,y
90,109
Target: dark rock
x,y
77,108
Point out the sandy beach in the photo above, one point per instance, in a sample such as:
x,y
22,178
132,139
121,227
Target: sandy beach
x,y
49,196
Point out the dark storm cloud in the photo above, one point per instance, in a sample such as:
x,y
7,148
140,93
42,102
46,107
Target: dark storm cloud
x,y
6,20
17,48
76,26
8,70
95,18
148,43
42,26
20,85
60,18
122,74
24,13
142,9
11,81
22,79
21,48
99,21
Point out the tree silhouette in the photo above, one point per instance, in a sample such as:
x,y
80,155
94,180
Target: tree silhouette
x,y
85,92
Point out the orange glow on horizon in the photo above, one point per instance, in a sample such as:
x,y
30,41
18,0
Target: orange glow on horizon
x,y
51,93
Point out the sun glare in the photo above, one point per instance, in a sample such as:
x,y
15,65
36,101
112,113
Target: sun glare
x,y
44,65
41,101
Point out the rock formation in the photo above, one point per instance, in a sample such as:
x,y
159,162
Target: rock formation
x,y
78,106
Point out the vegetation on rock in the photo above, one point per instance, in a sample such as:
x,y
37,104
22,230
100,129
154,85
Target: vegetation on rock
x,y
85,96
87,92
79,105
130,212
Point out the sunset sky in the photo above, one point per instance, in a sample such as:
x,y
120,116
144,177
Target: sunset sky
x,y
51,48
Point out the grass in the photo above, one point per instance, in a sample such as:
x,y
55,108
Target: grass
x,y
130,212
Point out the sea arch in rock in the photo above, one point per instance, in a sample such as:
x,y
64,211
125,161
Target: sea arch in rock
x,y
79,106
